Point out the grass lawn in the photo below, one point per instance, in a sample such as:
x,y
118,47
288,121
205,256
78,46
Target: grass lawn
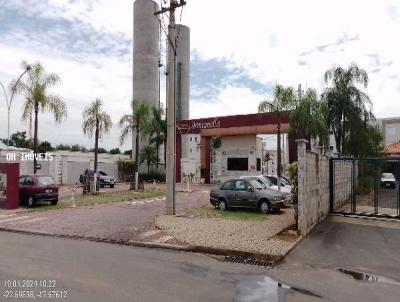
x,y
211,212
101,198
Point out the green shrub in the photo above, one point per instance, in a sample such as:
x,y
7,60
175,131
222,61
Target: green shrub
x,y
152,176
125,169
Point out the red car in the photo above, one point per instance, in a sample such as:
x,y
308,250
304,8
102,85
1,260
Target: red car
x,y
37,188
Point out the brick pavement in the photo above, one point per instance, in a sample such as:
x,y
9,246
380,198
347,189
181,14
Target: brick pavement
x,y
117,221
249,236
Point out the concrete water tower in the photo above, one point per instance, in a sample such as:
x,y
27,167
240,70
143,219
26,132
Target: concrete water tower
x,y
146,52
182,90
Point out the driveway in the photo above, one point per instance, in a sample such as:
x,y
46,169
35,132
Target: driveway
x,y
368,250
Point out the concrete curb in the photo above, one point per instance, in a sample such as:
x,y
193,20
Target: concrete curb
x,y
182,248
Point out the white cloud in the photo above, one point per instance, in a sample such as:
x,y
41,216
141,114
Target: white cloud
x,y
240,32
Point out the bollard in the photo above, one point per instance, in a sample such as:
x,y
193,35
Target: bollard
x,y
73,205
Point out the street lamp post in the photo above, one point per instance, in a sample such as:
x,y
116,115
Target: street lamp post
x,y
9,102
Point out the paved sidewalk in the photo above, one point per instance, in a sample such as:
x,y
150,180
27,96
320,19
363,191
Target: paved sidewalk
x,y
256,237
117,221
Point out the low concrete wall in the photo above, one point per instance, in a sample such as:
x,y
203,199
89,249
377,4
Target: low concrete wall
x,y
313,186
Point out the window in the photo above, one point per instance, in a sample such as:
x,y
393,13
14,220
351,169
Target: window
x,y
229,185
258,164
190,138
190,150
241,185
238,164
28,180
195,139
45,180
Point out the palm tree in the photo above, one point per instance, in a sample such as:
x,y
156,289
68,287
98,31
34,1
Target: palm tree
x,y
35,88
157,131
347,104
148,154
283,100
96,121
135,122
308,119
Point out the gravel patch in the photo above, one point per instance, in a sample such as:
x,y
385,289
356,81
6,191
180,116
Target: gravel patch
x,y
231,234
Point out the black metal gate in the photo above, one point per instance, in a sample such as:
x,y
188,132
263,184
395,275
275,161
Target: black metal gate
x,y
366,187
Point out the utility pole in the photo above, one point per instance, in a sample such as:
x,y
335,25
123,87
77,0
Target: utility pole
x,y
171,118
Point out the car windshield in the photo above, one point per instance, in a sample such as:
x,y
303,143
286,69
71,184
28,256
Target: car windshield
x,y
45,180
387,175
256,184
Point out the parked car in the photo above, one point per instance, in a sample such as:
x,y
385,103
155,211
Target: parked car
x,y
270,184
274,180
103,178
245,193
388,180
37,188
267,185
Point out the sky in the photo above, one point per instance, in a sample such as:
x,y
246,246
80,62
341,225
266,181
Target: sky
x,y
239,51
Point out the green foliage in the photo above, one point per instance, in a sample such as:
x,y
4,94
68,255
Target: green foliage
x,y
293,174
136,121
115,151
128,152
349,109
72,148
35,87
96,120
157,130
125,169
19,140
216,142
152,176
148,155
45,147
309,118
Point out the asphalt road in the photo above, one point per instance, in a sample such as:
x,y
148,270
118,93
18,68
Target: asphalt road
x,y
90,271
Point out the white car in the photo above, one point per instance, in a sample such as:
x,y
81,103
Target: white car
x,y
388,180
270,185
274,180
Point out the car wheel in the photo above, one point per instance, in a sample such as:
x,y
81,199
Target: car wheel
x,y
112,186
54,202
31,202
265,207
222,206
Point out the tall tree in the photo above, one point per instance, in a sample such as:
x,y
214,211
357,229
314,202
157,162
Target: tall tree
x,y
283,100
35,88
148,155
97,122
157,130
135,122
347,104
309,117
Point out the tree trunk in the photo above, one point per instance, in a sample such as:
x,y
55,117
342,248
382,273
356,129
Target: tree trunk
x,y
35,139
137,149
96,145
133,141
158,155
165,153
148,167
279,156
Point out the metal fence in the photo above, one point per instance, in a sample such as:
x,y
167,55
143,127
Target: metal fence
x,y
368,187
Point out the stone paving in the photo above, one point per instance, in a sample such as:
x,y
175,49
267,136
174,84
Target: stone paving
x,y
123,221
259,237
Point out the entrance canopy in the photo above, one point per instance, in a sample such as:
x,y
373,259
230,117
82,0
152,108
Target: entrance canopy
x,y
258,123
249,124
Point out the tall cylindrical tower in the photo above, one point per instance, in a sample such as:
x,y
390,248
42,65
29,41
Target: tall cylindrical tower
x,y
182,89
146,52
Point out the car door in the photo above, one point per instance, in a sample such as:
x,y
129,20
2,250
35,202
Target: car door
x,y
228,190
241,193
22,189
28,186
